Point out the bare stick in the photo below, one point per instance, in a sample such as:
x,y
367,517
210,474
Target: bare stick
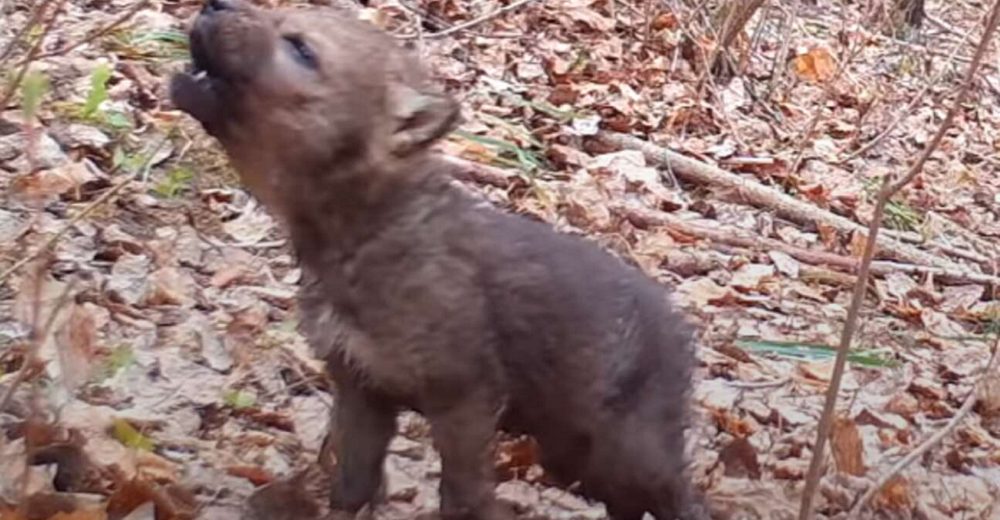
x,y
98,33
476,21
88,209
36,16
32,52
933,440
726,235
778,66
758,194
903,114
888,189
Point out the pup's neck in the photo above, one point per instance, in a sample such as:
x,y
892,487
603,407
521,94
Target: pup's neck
x,y
342,208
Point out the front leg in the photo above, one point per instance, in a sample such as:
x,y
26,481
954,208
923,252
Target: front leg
x,y
462,434
361,427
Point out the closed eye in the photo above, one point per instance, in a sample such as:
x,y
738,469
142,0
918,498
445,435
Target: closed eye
x,y
301,51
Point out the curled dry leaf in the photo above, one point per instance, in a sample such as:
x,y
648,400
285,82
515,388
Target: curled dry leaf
x,y
38,188
816,64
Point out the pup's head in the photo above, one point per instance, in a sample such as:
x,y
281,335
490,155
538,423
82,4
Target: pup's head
x,y
307,90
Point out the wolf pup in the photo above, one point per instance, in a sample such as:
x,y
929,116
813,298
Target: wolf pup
x,y
419,297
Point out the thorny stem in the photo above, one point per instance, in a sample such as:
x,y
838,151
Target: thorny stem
x,y
887,190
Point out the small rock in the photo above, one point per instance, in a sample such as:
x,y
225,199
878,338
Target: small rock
x,y
77,135
129,277
48,153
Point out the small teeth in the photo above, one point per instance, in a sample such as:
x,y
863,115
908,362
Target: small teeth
x,y
200,75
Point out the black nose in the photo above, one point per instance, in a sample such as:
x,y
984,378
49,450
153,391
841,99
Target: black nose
x,y
212,6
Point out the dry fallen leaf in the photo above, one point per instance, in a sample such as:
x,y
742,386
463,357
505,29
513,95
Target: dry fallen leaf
x,y
39,188
816,65
846,446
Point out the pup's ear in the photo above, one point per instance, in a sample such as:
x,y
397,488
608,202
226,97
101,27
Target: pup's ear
x,y
420,118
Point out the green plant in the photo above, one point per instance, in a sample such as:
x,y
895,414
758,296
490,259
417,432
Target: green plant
x,y
98,94
239,400
871,358
119,358
126,434
34,86
156,46
526,160
176,181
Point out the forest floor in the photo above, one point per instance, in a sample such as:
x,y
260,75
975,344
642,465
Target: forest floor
x,y
149,358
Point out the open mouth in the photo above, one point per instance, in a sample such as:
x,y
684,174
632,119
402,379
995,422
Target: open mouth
x,y
197,90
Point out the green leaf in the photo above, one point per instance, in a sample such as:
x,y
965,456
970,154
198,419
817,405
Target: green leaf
x,y
98,90
174,37
33,89
121,357
176,180
815,352
126,434
239,399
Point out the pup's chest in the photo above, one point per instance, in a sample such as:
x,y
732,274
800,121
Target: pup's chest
x,y
349,351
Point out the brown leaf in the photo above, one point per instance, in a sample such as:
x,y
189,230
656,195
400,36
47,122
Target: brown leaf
x,y
257,475
895,494
740,459
848,451
41,187
816,65
76,342
515,457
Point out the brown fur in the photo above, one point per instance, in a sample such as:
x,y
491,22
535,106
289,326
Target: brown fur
x,y
418,297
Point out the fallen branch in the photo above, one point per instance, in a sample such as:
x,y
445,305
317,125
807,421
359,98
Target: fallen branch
x,y
760,195
643,216
888,189
933,440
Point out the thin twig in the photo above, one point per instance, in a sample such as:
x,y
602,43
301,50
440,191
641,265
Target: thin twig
x,y
888,189
933,440
38,333
845,60
36,16
30,57
908,110
88,209
98,33
476,21
778,66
